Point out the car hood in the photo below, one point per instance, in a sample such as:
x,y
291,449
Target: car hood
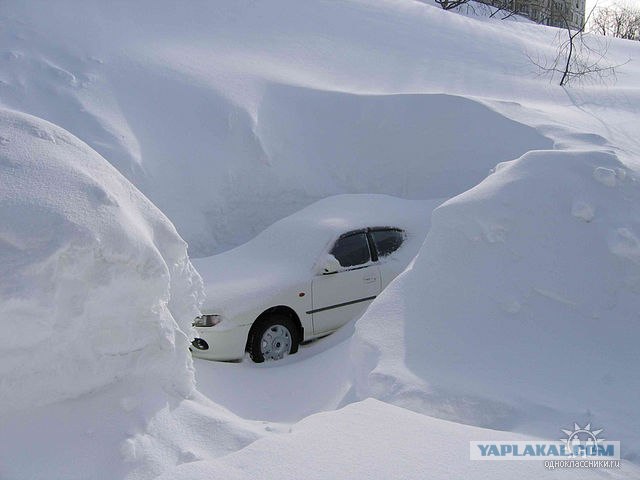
x,y
235,283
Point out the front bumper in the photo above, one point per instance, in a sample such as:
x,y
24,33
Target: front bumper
x,y
227,344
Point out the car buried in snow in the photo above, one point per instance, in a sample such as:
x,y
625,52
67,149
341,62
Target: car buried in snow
x,y
305,276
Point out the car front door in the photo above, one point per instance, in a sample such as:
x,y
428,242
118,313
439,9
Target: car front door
x,y
341,296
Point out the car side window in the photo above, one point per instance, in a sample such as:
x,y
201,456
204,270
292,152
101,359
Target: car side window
x,y
387,241
352,250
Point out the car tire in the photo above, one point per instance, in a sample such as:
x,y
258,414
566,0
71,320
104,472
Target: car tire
x,y
272,338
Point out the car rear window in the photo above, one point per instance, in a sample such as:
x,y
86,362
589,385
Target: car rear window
x,y
352,250
387,241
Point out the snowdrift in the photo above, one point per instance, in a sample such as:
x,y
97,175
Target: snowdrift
x,y
232,115
227,126
373,440
96,285
97,296
521,310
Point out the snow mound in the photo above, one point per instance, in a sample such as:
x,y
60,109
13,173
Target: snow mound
x,y
521,310
227,128
96,285
132,430
372,440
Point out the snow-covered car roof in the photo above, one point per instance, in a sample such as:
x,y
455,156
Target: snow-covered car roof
x,y
287,252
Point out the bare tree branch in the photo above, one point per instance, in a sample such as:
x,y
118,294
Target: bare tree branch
x,y
451,4
579,56
621,21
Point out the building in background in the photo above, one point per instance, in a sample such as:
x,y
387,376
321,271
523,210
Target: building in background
x,y
557,13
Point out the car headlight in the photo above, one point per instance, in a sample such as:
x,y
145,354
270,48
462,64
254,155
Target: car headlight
x,y
207,321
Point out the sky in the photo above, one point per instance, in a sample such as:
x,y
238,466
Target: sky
x,y
601,3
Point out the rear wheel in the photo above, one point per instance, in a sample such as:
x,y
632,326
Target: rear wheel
x,y
273,338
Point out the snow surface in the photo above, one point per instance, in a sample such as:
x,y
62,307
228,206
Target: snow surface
x,y
518,313
97,296
374,440
96,285
130,429
231,115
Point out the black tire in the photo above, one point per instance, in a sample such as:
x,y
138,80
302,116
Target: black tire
x,y
262,325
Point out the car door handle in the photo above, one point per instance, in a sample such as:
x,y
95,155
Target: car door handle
x,y
369,279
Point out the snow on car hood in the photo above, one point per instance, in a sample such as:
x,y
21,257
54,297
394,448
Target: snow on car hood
x,y
288,252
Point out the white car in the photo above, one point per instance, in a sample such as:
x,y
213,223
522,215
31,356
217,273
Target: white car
x,y
305,276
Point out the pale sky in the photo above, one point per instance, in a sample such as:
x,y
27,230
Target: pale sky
x,y
602,3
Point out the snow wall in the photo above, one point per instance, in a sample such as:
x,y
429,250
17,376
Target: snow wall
x,y
521,310
96,285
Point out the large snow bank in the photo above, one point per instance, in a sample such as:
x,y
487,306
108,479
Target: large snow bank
x,y
96,285
97,296
521,309
131,430
373,440
225,115
231,115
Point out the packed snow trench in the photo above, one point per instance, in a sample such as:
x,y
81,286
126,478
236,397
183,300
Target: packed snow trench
x,y
129,130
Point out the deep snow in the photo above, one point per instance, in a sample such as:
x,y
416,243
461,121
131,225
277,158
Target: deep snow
x,y
521,310
97,296
96,285
375,440
231,115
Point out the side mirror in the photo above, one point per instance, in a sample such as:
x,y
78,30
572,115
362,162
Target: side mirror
x,y
331,265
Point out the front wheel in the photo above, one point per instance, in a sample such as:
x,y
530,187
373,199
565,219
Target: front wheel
x,y
273,338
